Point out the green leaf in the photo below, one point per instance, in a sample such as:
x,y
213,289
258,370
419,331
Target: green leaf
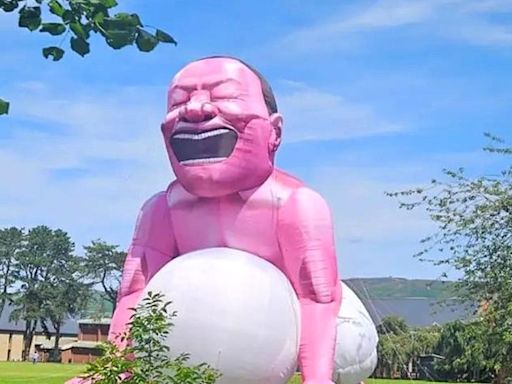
x,y
56,8
8,5
131,20
122,21
118,39
98,14
78,30
99,17
55,52
80,46
68,16
145,41
109,3
53,28
4,107
165,37
30,18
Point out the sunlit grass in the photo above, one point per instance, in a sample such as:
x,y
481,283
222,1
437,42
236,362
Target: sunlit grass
x,y
48,373
40,373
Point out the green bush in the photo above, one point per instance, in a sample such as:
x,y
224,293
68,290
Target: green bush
x,y
148,328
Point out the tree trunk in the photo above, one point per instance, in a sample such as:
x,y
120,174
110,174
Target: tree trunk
x,y
502,375
5,286
28,336
55,355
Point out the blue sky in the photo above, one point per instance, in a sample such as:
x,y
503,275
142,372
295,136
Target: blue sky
x,y
377,96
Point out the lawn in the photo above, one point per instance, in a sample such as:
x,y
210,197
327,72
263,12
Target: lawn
x,y
41,373
47,373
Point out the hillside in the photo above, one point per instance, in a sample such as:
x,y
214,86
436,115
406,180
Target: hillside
x,y
392,287
372,288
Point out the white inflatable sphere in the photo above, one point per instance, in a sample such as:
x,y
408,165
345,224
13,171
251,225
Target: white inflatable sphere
x,y
235,311
239,313
356,342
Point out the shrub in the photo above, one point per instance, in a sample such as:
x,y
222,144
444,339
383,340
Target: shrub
x,y
148,328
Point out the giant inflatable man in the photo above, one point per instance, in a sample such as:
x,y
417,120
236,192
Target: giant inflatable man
x,y
222,130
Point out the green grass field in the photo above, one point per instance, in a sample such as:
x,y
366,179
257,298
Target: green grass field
x,y
41,373
47,373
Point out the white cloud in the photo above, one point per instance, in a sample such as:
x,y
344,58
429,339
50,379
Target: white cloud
x,y
108,145
311,114
336,31
464,20
482,33
373,236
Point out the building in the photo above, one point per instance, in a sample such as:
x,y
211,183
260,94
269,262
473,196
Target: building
x,y
85,347
11,336
78,343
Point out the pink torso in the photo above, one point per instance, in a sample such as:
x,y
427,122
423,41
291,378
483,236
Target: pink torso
x,y
247,220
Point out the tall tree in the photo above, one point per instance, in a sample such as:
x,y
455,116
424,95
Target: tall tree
x,y
50,284
467,351
28,299
474,235
76,20
104,263
64,289
11,243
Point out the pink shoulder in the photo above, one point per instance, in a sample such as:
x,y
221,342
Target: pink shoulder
x,y
286,180
296,192
153,223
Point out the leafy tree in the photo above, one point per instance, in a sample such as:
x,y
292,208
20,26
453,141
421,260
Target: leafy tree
x,y
400,346
50,286
149,327
466,350
474,235
64,290
394,325
28,299
104,264
393,346
11,243
76,21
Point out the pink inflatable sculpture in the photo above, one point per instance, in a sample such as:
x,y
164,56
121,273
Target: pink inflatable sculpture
x,y
221,131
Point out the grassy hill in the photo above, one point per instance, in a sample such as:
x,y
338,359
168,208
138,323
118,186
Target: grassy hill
x,y
392,287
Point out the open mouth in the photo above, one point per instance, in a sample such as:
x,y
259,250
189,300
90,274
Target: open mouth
x,y
204,147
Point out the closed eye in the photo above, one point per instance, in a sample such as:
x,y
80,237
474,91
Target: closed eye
x,y
176,105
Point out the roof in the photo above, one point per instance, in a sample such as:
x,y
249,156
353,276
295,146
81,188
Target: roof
x,y
49,344
103,321
69,327
74,344
81,344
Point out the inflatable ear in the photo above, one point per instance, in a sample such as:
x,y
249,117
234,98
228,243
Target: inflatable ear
x,y
276,120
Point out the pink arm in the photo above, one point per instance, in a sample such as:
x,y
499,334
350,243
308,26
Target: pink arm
x,y
307,243
152,247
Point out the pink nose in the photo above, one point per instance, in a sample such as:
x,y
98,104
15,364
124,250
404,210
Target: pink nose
x,y
198,109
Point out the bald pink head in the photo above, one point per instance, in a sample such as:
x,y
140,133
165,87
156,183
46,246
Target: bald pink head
x,y
219,133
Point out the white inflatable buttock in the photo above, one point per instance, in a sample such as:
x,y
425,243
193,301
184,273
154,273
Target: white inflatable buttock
x,y
235,311
356,342
239,313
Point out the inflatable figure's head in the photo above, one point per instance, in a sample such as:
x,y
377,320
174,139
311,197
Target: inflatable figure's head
x,y
222,127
